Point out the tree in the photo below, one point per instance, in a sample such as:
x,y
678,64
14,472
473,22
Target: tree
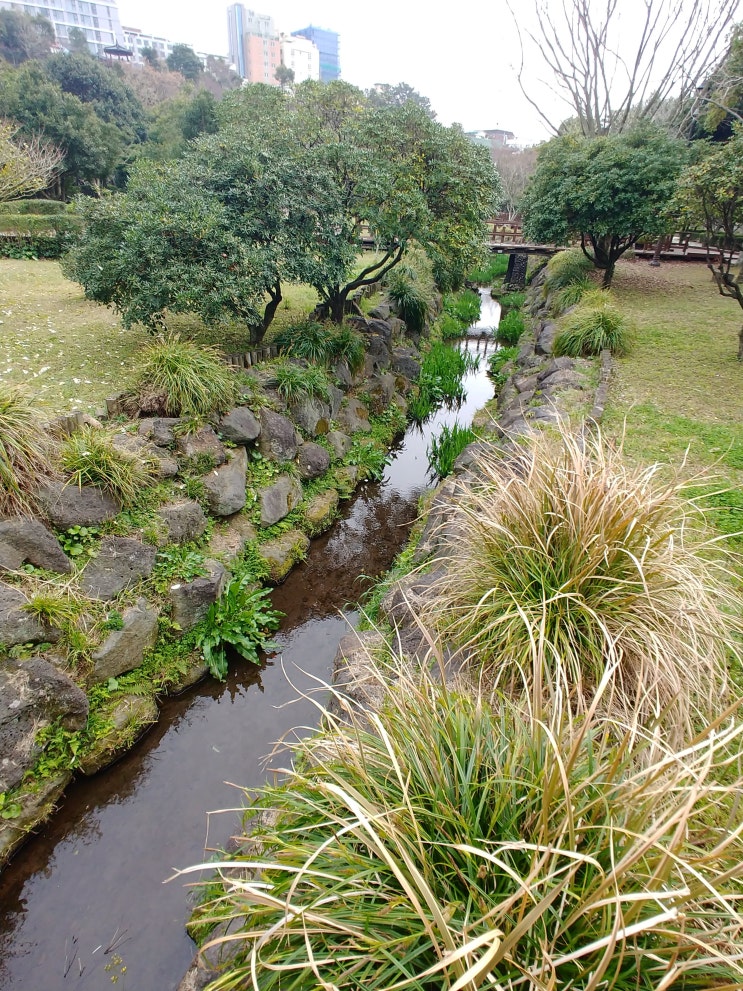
x,y
26,165
184,59
23,37
284,76
719,101
149,54
515,168
384,95
709,197
78,42
612,63
609,191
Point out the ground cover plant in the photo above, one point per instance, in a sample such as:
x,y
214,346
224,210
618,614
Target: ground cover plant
x,y
565,558
565,268
490,272
295,382
504,853
510,328
25,451
321,343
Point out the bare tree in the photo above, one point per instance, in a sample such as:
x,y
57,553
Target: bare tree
x,y
27,165
515,166
612,62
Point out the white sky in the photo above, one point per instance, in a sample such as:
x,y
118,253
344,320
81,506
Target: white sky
x,y
459,55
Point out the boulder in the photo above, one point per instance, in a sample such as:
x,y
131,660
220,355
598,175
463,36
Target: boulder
x,y
28,541
313,460
124,649
278,439
203,442
225,486
17,625
120,562
340,442
335,396
240,425
279,499
131,717
564,378
284,552
545,338
353,416
405,361
377,354
33,694
231,537
312,415
160,430
343,375
37,806
381,311
353,673
67,505
190,601
184,521
321,511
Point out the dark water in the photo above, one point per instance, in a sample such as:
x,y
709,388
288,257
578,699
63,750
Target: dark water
x,y
88,892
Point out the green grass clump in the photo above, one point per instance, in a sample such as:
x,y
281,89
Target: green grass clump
x,y
445,448
565,268
569,560
322,344
456,846
492,271
512,301
25,451
88,457
572,294
193,379
442,370
510,328
465,306
411,297
595,324
497,362
295,382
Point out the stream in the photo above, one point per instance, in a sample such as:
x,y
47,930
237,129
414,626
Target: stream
x,y
89,896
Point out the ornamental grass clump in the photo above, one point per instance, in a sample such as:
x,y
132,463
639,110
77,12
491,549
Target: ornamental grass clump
x,y
595,324
411,297
565,268
296,382
444,845
564,560
25,452
89,457
192,379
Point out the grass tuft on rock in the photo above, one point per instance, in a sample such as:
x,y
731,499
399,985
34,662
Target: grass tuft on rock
x,y
25,451
594,325
89,457
192,379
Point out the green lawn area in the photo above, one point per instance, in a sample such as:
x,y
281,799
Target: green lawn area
x,y
678,394
72,353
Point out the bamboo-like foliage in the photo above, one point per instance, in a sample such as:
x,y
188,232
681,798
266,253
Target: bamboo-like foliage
x,y
563,558
451,845
25,451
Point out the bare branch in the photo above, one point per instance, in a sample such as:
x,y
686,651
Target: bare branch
x,y
27,165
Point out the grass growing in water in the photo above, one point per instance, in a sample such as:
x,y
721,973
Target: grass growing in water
x,y
510,328
567,559
444,449
25,451
492,271
456,846
242,619
497,362
193,379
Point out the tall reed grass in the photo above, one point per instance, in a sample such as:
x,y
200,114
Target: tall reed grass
x,y
26,454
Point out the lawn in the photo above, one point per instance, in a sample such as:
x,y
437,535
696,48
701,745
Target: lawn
x,y
677,396
73,353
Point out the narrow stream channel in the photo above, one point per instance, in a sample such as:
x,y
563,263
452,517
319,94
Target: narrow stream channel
x,y
90,887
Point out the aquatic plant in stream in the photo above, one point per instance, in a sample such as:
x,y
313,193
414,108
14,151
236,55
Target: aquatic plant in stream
x,y
442,370
445,448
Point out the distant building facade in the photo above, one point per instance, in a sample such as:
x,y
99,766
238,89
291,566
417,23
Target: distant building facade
x,y
136,40
328,46
254,46
300,55
99,21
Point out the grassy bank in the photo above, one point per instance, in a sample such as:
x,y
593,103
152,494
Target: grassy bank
x,y
677,395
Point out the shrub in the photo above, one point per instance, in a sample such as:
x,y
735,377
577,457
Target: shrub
x,y
510,328
295,382
89,457
566,267
25,451
565,558
410,296
593,325
241,618
193,379
454,847
445,448
347,345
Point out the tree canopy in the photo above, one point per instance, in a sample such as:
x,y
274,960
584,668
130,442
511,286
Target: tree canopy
x,y
184,59
608,191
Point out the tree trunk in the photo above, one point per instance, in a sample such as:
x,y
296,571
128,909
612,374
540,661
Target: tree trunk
x,y
337,304
608,276
271,307
740,344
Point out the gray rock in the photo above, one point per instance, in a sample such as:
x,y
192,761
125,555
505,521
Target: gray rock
x,y
564,378
279,499
312,415
67,505
203,442
343,374
525,383
340,442
399,328
382,311
184,521
313,460
382,328
278,438
160,430
225,486
124,649
33,694
17,625
336,399
284,552
354,676
381,389
546,338
121,561
190,601
240,425
131,718
557,364
231,538
377,354
405,362
36,807
23,540
321,511
353,416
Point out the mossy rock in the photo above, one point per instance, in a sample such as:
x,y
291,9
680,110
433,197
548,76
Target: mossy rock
x,y
130,717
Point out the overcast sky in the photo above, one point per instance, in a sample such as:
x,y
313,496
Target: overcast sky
x,y
460,55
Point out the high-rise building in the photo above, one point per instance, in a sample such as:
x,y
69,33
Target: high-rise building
x,y
135,40
301,56
254,45
99,21
327,43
